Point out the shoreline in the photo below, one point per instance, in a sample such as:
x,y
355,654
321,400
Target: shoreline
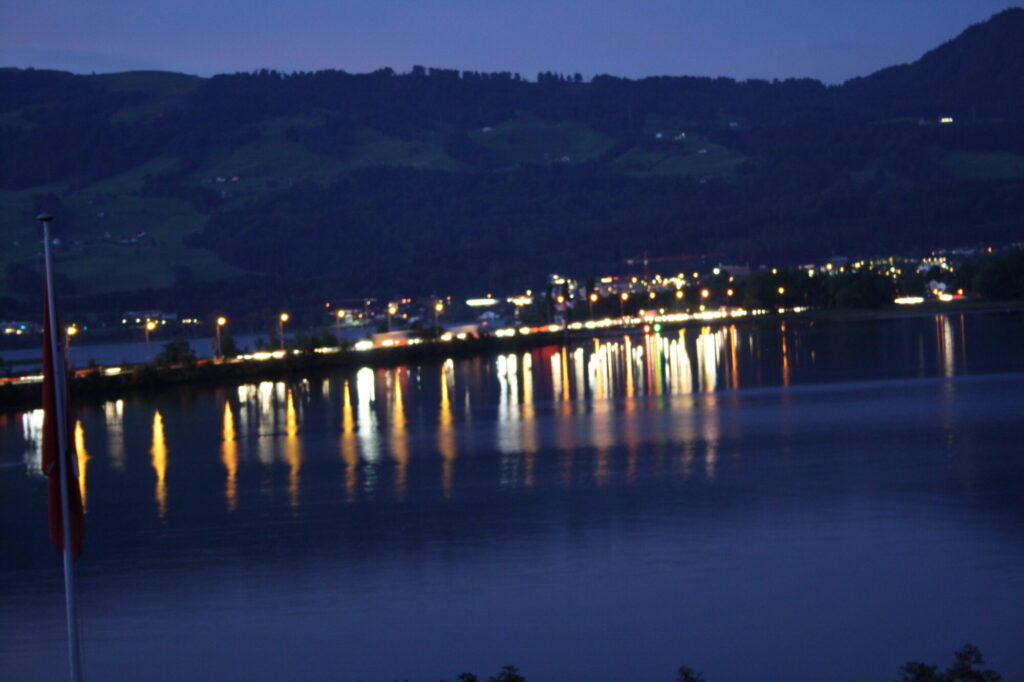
x,y
104,383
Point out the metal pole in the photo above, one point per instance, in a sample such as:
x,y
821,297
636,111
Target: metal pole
x,y
74,654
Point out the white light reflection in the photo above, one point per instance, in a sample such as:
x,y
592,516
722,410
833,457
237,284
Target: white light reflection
x,y
707,359
508,433
446,430
366,427
602,431
944,341
32,430
113,412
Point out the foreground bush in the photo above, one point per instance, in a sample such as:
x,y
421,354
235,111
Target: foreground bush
x,y
966,668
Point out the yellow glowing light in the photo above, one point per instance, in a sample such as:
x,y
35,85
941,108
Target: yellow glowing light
x,y
72,330
285,317
221,321
728,292
593,298
150,325
341,314
679,293
439,307
561,300
782,290
625,296
652,295
704,293
158,460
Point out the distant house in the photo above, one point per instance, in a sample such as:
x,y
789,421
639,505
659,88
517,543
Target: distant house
x,y
136,318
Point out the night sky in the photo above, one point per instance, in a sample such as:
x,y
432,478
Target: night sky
x,y
831,40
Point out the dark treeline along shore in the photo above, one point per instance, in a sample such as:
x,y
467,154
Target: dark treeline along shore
x,y
247,191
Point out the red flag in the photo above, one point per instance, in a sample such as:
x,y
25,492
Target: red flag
x,y
53,367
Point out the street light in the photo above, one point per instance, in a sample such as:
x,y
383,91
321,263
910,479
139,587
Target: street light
x,y
593,299
392,309
782,290
622,300
69,332
284,317
438,309
679,298
339,316
150,326
221,321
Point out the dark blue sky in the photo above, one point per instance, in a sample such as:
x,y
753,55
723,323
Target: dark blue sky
x,y
827,39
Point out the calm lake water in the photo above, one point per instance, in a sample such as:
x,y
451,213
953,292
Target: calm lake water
x,y
777,502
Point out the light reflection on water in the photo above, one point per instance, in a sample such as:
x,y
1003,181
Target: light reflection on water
x,y
158,455
587,394
670,464
229,456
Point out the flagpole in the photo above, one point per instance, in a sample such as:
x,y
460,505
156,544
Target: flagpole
x,y
60,391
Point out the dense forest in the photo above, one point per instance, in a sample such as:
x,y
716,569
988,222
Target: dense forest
x,y
335,184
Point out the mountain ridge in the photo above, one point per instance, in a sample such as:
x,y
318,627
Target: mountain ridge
x,y
183,175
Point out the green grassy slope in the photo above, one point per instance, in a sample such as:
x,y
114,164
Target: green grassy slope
x,y
531,141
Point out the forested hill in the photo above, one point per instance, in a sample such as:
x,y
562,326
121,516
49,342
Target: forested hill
x,y
330,184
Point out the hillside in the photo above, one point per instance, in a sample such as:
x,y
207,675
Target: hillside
x,y
263,187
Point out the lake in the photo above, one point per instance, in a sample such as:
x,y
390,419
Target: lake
x,y
790,501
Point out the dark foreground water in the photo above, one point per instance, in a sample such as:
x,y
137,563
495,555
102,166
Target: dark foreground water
x,y
792,503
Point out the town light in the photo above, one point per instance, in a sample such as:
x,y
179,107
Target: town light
x,y
221,321
68,333
782,290
150,326
438,309
282,318
704,293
